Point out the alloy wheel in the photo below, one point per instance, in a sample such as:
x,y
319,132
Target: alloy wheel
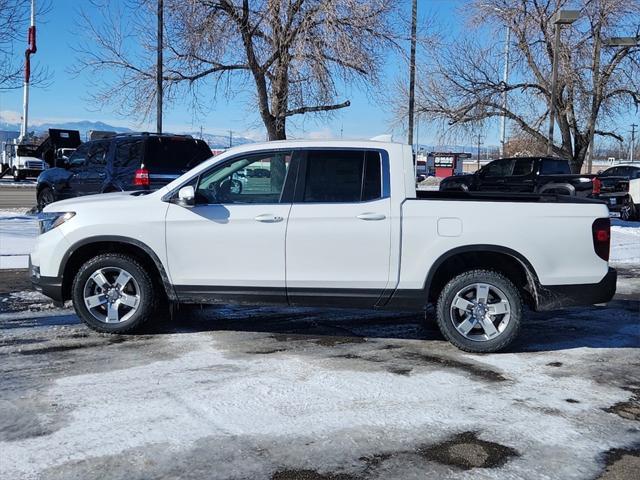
x,y
112,295
480,312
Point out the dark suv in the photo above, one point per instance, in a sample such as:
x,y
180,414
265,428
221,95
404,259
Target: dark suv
x,y
123,162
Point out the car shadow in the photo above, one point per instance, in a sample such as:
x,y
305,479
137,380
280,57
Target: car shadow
x,y
614,326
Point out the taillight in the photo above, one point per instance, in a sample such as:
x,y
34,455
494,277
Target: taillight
x,y
141,178
601,229
597,186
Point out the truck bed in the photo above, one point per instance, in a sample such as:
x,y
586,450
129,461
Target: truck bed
x,y
501,197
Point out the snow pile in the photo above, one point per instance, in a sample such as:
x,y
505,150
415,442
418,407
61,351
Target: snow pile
x,y
625,242
18,233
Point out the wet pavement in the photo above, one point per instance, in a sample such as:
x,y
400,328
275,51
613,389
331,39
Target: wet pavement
x,y
309,394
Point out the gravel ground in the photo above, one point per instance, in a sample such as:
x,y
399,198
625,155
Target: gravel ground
x,y
265,393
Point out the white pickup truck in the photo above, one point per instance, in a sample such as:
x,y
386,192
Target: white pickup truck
x,y
330,223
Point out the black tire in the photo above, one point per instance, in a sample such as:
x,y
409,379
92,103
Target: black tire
x,y
465,280
17,176
149,300
629,211
45,197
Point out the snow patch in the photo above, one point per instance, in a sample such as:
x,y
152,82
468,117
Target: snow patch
x,y
18,233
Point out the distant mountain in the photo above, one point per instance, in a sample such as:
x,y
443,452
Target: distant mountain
x,y
83,126
216,142
219,142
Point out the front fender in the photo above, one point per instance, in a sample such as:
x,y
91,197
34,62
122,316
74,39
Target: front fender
x,y
54,178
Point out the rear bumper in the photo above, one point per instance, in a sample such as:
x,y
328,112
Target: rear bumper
x,y
615,200
49,286
552,297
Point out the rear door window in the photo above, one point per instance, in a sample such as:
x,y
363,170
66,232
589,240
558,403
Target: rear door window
x,y
129,154
522,166
342,176
555,167
174,155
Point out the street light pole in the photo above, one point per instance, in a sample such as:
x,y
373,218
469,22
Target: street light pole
x,y
505,79
561,17
609,42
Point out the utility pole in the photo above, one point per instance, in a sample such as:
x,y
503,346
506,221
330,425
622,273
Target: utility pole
x,y
633,141
479,140
505,80
31,49
159,91
412,69
230,139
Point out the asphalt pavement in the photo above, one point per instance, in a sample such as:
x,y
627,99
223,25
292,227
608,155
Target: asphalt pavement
x,y
308,394
17,195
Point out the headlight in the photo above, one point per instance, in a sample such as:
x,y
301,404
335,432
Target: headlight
x,y
51,220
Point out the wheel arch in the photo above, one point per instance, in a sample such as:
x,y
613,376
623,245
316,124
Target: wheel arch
x,y
554,187
88,248
501,259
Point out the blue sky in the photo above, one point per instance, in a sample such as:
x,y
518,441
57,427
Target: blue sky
x,y
66,97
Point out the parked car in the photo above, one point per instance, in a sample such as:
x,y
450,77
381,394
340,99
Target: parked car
x,y
340,224
619,186
524,175
121,163
258,172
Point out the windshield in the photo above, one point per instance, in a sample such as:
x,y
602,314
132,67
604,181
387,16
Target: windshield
x,y
26,150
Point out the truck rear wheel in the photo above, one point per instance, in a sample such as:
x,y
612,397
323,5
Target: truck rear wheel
x,y
113,293
629,210
480,311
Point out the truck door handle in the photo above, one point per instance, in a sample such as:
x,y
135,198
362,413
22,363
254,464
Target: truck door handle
x,y
268,218
371,216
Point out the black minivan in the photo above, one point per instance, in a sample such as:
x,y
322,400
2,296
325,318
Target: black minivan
x,y
132,161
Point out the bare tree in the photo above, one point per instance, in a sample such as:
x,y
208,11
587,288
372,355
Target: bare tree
x,y
294,54
14,20
596,83
14,15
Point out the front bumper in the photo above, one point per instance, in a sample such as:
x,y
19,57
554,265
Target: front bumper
x,y
552,297
49,286
30,172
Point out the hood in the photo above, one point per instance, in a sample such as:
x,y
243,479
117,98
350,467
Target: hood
x,y
101,200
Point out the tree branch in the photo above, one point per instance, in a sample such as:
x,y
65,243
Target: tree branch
x,y
317,108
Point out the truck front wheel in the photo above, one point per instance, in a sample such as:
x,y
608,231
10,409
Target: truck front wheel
x,y
17,175
480,311
113,293
45,197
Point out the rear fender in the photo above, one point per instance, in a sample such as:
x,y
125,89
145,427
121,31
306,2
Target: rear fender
x,y
555,187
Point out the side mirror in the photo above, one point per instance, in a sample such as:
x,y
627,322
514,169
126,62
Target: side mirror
x,y
187,196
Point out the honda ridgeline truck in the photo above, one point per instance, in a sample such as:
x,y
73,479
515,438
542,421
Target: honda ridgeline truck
x,y
334,224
